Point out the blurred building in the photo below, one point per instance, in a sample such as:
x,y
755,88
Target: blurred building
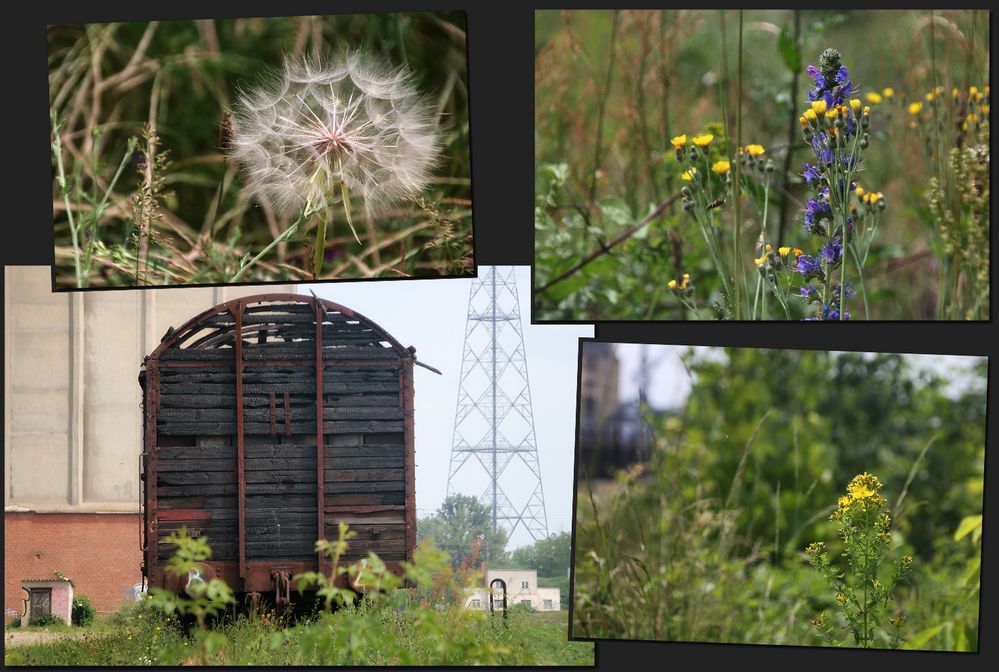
x,y
612,434
73,427
598,387
521,588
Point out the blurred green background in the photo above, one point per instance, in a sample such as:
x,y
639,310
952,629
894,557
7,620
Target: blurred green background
x,y
673,72
705,541
182,76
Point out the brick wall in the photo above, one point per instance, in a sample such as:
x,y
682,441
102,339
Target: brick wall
x,y
98,552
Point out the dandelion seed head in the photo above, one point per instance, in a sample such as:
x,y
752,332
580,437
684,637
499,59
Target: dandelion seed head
x,y
324,122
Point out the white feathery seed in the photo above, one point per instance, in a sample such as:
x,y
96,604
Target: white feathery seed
x,y
324,123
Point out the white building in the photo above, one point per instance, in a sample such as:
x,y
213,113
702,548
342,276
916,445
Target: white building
x,y
521,588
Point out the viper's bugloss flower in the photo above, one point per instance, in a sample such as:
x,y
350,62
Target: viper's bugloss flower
x,y
808,264
703,141
811,174
831,313
815,211
326,126
832,80
721,167
832,252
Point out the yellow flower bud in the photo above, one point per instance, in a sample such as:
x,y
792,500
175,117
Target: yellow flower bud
x,y
819,106
888,92
855,104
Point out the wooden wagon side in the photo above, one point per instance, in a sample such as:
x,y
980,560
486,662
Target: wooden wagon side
x,y
267,441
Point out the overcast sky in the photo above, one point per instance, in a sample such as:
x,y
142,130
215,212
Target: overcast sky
x,y
430,315
669,383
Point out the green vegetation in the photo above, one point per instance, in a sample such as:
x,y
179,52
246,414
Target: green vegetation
x,y
145,193
421,622
707,540
83,611
671,178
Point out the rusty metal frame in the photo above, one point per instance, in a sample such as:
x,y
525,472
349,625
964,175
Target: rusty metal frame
x,y
240,472
256,575
320,314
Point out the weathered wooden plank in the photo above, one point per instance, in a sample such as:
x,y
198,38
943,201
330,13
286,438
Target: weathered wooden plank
x,y
206,490
282,476
337,500
264,414
367,532
329,387
357,519
166,464
368,475
214,503
169,453
343,487
179,427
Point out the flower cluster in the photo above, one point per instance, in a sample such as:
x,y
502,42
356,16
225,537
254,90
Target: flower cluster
x,y
682,285
835,126
863,594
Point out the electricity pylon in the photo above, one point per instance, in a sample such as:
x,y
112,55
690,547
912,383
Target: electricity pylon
x,y
494,451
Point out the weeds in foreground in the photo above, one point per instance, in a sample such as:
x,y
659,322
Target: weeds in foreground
x,y
387,620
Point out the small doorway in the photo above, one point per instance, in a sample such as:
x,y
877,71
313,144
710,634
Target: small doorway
x,y
40,603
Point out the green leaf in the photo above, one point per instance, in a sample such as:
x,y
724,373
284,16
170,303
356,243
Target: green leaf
x,y
920,639
789,51
968,525
616,210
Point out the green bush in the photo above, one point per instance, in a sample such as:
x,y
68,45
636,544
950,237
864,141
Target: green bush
x,y
47,619
83,611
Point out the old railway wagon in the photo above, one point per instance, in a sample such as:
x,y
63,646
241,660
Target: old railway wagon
x,y
268,420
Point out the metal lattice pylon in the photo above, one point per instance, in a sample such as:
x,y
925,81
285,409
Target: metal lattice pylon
x,y
494,450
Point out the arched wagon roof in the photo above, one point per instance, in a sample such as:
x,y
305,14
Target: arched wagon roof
x,y
278,323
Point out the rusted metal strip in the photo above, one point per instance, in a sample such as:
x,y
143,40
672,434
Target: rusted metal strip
x,y
240,474
274,415
406,383
320,448
150,543
287,414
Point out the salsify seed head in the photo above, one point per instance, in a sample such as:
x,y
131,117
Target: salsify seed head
x,y
325,123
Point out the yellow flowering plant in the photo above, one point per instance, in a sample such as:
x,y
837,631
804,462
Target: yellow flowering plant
x,y
861,594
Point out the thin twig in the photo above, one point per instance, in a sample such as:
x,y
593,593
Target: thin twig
x,y
604,249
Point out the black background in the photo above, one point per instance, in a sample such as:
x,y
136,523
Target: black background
x,y
501,94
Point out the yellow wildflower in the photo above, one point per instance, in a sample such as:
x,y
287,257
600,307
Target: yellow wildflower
x,y
797,252
954,92
819,106
679,142
784,251
973,91
855,104
803,121
867,109
860,191
888,92
688,175
686,279
754,150
703,141
832,114
873,98
810,114
915,108
930,96
721,167
671,284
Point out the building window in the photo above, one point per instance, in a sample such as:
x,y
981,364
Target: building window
x,y
524,585
548,604
476,603
527,602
